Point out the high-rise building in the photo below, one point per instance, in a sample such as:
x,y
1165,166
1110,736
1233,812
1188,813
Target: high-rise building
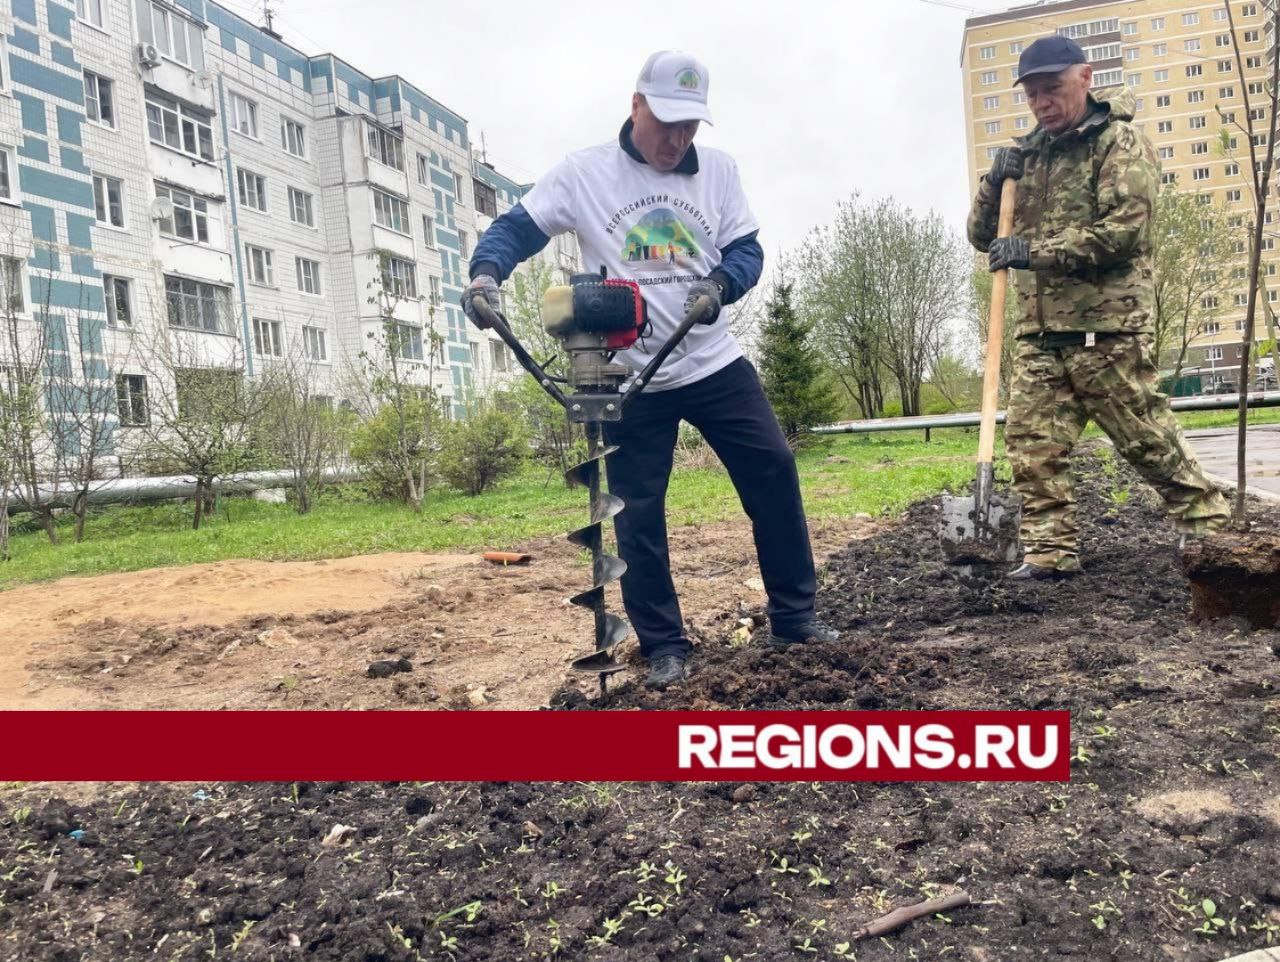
x,y
1178,59
170,167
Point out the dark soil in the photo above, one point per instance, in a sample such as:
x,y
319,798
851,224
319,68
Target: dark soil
x,y
1164,846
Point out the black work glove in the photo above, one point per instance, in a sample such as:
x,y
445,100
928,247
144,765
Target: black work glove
x,y
705,288
483,286
1011,252
1006,163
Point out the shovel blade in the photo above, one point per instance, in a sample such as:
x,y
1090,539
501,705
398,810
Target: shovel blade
x,y
972,535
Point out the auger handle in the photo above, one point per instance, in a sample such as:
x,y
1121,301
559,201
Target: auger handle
x,y
700,308
499,323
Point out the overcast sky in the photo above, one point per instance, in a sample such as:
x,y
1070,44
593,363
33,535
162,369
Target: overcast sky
x,y
814,98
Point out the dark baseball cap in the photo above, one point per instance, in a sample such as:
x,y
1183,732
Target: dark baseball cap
x,y
1049,55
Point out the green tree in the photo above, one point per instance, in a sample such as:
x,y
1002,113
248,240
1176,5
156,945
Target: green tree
x,y
791,370
488,446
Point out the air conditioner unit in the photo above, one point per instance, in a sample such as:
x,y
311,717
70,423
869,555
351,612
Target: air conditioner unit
x,y
148,54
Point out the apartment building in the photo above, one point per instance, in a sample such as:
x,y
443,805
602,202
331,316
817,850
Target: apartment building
x,y
171,172
1178,58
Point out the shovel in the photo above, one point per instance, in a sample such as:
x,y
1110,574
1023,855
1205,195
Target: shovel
x,y
983,530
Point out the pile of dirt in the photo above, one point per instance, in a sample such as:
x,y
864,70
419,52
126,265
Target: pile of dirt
x,y
1162,847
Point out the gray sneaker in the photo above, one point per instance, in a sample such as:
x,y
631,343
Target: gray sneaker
x,y
808,633
665,671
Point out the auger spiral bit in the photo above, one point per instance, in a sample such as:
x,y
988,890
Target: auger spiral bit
x,y
605,568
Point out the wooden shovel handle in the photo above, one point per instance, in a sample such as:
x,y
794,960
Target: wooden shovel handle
x,y
995,332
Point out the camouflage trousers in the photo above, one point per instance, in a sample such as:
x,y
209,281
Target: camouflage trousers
x,y
1054,394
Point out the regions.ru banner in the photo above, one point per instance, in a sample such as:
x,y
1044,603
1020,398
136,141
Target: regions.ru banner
x,y
537,746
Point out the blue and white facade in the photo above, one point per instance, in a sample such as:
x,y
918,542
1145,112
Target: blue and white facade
x,y
173,167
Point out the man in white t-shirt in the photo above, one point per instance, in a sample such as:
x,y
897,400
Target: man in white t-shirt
x,y
649,207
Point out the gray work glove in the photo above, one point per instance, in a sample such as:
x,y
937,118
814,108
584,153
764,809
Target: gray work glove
x,y
484,286
705,288
1006,163
1009,252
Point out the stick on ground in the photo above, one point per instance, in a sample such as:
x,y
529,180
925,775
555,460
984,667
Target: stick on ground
x,y
900,917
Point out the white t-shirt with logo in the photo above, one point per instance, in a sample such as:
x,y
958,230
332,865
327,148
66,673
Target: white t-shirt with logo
x,y
662,230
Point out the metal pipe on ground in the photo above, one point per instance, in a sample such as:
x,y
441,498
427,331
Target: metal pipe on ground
x,y
1216,402
147,490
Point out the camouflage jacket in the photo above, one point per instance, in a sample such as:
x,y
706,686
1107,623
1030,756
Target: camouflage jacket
x,y
1084,206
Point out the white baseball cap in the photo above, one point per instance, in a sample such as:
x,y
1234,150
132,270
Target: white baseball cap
x,y
675,85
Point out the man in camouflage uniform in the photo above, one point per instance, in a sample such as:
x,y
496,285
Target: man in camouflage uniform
x,y
1082,228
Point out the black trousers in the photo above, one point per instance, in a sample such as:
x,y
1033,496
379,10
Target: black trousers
x,y
731,412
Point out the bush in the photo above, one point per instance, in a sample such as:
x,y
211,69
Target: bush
x,y
479,452
556,442
394,449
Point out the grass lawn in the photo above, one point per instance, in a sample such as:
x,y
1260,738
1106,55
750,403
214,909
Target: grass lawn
x,y
852,474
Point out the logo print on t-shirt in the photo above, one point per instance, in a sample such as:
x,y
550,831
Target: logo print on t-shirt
x,y
659,239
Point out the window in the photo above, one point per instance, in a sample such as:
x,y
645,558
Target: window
x,y
424,170
244,115
1159,49
179,127
313,344
119,305
1130,28
434,285
1200,147
1021,123
7,165
991,152
1015,48
90,11
1255,88
1133,79
1231,170
990,103
1253,63
1222,40
1195,70
253,189
1107,78
174,36
459,188
399,278
293,137
1225,66
463,248
1108,51
1233,196
1157,23
391,212
1240,301
487,197
300,208
429,231
1219,15
1168,178
1192,45
1138,105
1249,10
108,200
99,100
1019,97
190,220
1251,36
409,340
308,275
198,305
989,77
987,53
1229,117
993,127
1164,99
499,356
1133,53
1213,354
1162,76
1226,93
1166,153
385,147
1195,96
1204,200
1190,19
1091,28
131,400
267,340
260,267
12,271
1200,173
1164,127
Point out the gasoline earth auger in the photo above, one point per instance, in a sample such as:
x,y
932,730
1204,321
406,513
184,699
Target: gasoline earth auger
x,y
593,318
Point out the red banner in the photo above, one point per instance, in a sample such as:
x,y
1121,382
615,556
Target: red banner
x,y
980,746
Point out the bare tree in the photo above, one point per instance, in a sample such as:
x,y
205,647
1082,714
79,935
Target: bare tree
x,y
1260,182
980,318
1191,250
